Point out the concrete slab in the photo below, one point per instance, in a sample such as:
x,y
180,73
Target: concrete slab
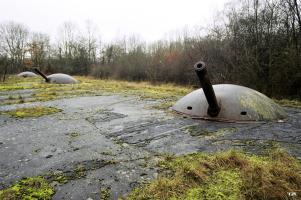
x,y
112,142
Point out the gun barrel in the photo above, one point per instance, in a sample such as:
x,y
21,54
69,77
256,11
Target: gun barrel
x,y
201,71
41,74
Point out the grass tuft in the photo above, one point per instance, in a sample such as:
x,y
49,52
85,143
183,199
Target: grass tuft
x,y
228,175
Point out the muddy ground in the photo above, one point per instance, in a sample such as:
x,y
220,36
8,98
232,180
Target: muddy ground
x,y
102,146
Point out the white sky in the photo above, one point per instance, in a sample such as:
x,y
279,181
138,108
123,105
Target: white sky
x,y
150,19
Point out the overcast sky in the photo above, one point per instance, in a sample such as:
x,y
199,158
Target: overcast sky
x,y
151,19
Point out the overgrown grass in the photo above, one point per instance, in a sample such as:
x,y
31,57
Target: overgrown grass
x,y
289,103
35,111
228,175
91,86
28,188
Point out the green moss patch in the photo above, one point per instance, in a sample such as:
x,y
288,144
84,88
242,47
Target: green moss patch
x,y
105,193
28,188
227,175
36,111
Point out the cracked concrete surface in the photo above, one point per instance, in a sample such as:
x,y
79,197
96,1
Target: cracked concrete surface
x,y
113,142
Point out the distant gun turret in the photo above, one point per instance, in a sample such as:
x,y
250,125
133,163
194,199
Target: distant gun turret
x,y
26,74
57,78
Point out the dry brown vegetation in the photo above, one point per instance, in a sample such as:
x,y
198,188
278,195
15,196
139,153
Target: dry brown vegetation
x,y
226,175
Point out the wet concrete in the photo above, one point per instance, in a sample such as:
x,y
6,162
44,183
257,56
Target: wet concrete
x,y
111,143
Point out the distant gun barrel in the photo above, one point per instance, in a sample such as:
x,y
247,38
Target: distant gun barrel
x,y
41,74
201,71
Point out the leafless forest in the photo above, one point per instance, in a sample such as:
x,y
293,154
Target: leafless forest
x,y
255,43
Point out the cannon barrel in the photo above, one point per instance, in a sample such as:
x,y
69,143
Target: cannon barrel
x,y
201,71
40,73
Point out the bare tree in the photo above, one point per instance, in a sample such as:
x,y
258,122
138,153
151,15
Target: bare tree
x,y
3,66
91,40
67,38
39,48
13,37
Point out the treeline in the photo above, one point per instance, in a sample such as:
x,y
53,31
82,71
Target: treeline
x,y
255,43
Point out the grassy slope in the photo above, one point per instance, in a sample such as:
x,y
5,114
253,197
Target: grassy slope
x,y
167,93
289,103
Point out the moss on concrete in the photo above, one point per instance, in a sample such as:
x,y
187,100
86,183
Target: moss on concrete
x,y
226,175
28,188
58,176
198,131
36,111
78,171
105,193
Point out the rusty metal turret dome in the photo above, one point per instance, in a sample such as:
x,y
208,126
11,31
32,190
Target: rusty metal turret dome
x,y
227,102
